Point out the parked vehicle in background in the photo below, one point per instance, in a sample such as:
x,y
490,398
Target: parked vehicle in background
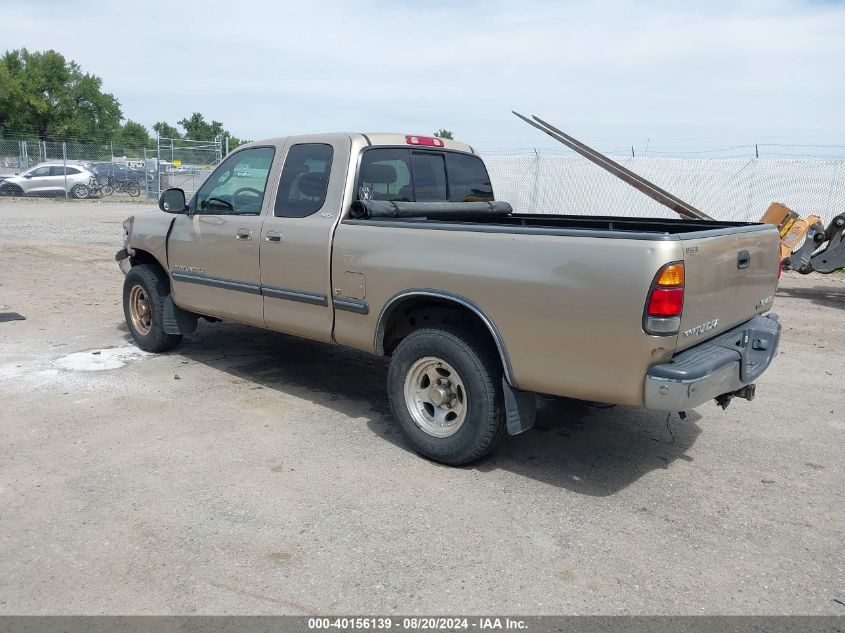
x,y
393,244
131,187
113,173
49,179
98,188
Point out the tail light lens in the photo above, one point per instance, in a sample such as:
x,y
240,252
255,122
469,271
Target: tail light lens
x,y
665,301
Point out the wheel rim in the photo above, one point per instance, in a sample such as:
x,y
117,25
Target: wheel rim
x,y
435,397
139,310
82,191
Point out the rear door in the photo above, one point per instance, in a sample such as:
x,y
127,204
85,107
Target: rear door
x,y
729,279
296,236
213,251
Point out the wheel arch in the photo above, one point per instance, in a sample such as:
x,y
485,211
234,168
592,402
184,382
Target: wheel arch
x,y
415,299
140,256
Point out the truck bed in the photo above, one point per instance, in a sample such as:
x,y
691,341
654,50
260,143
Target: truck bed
x,y
574,225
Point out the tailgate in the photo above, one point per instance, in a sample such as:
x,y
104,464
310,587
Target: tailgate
x,y
730,277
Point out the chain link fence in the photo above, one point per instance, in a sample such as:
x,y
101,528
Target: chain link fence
x,y
85,169
726,189
535,182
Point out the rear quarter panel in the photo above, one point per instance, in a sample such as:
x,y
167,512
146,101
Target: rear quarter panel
x,y
569,308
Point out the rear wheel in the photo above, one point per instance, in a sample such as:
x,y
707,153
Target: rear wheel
x,y
444,386
106,190
145,290
133,189
80,192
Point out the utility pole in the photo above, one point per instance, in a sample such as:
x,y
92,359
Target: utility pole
x,y
158,165
64,161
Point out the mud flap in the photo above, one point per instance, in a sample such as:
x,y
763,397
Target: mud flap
x,y
177,320
520,408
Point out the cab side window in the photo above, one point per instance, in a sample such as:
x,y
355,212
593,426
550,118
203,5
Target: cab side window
x,y
40,172
304,180
238,185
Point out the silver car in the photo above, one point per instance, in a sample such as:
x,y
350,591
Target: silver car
x,y
49,179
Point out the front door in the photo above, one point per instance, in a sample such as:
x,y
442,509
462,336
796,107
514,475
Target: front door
x,y
39,180
296,236
213,250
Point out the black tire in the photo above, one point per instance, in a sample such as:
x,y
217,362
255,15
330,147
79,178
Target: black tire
x,y
153,282
80,192
106,190
11,190
478,365
133,189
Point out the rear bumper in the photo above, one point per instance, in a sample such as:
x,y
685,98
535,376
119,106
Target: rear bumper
x,y
722,365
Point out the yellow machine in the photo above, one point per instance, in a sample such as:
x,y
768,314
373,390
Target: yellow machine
x,y
822,250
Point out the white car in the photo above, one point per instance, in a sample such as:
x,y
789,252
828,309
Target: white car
x,y
49,179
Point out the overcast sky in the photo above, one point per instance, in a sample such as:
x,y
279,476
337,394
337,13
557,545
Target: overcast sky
x,y
676,75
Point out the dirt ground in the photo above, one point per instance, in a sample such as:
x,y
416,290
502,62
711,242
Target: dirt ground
x,y
251,472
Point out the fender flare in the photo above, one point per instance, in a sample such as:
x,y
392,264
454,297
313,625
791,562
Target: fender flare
x,y
398,298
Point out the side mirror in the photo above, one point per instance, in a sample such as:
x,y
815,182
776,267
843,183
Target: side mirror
x,y
27,175
172,201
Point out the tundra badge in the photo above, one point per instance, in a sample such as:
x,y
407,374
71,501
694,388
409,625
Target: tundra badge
x,y
701,329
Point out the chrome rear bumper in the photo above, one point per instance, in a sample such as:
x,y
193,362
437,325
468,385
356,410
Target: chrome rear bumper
x,y
723,365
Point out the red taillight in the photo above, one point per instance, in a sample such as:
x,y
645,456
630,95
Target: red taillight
x,y
665,302
429,141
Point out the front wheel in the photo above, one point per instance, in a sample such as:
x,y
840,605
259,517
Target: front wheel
x,y
133,189
145,290
106,190
11,190
444,387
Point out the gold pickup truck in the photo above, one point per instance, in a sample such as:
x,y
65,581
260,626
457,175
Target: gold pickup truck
x,y
393,244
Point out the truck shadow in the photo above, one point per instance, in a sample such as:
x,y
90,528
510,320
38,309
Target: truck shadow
x,y
826,296
584,448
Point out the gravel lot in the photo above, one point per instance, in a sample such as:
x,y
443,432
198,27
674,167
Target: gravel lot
x,y
251,472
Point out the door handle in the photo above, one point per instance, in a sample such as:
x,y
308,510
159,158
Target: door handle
x,y
743,259
273,236
243,234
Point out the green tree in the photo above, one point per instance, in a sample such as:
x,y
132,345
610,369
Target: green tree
x,y
133,134
46,96
166,130
443,133
198,129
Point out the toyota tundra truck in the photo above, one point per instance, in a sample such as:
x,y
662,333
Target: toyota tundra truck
x,y
394,244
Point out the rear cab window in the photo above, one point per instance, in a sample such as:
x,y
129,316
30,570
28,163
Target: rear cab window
x,y
415,175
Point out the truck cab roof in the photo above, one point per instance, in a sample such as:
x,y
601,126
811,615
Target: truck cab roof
x,y
374,139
